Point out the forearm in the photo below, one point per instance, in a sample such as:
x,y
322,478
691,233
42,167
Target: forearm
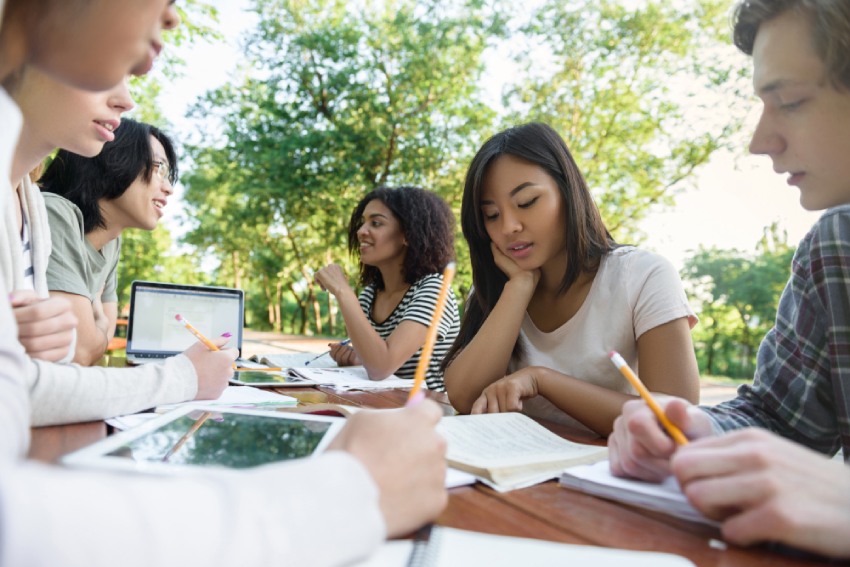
x,y
485,359
594,406
372,350
216,518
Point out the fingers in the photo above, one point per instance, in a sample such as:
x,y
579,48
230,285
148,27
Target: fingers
x,y
23,297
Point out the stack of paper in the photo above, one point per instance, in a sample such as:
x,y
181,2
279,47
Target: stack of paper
x,y
240,397
349,378
449,547
666,497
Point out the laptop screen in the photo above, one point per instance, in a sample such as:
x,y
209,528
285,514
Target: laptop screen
x,y
153,331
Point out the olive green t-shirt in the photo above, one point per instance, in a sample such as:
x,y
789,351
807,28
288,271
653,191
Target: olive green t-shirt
x,y
74,265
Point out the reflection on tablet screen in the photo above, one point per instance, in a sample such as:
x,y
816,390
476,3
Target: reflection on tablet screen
x,y
229,440
254,378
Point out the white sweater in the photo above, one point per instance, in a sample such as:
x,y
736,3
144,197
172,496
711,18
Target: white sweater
x,y
51,516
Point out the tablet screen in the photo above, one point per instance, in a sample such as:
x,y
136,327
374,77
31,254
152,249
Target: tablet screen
x,y
254,378
226,439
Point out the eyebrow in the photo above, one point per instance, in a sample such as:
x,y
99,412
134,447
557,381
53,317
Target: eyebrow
x,y
513,192
778,84
374,215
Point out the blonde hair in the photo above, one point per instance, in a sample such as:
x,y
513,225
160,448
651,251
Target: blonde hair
x,y
830,20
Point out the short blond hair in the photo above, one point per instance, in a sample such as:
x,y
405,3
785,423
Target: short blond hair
x,y
830,21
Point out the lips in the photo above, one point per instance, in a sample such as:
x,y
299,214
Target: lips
x,y
794,178
106,129
159,204
519,249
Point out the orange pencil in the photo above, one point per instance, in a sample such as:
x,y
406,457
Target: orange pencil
x,y
674,431
208,343
431,337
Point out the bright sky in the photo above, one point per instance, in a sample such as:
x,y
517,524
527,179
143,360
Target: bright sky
x,y
734,198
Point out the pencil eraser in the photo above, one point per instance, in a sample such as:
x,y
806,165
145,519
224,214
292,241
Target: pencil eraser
x,y
612,354
179,317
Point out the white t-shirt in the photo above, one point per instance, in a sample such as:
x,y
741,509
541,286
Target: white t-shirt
x,y
633,291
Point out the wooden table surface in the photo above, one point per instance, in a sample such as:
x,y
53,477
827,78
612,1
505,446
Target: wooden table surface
x,y
546,511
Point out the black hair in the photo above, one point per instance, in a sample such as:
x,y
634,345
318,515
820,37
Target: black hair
x,y
85,181
427,224
587,238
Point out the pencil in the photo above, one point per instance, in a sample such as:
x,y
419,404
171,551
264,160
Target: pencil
x,y
674,431
431,337
208,343
327,352
195,426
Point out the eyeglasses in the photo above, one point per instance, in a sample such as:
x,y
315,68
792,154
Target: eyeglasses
x,y
162,169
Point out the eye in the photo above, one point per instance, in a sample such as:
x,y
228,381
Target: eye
x,y
791,106
489,215
528,204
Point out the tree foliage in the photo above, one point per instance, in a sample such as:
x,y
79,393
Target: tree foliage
x,y
737,295
636,92
339,101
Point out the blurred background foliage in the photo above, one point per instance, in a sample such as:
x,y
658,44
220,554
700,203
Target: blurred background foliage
x,y
334,98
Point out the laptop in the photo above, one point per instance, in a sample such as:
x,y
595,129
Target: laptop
x,y
154,334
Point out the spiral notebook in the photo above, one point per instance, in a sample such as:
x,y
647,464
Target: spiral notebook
x,y
449,547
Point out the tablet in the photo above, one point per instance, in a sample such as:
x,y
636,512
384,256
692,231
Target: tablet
x,y
210,437
268,379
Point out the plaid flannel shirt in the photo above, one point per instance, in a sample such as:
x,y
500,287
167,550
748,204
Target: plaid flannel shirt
x,y
801,388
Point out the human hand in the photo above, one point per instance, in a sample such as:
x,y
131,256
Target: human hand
x,y
344,354
332,279
640,447
406,458
512,269
213,367
506,394
766,488
45,324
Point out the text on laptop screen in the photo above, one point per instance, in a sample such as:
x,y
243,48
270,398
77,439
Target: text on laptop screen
x,y
155,329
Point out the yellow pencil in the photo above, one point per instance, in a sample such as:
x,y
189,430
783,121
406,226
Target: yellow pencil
x,y
674,431
431,337
195,426
208,343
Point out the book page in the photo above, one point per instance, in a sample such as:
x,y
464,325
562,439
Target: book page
x,y
507,439
295,360
350,378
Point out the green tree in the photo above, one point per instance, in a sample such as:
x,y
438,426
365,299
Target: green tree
x,y
737,295
643,95
149,255
338,102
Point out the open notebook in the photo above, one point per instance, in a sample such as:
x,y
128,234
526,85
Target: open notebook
x,y
449,547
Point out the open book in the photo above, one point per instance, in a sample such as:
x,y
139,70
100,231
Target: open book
x,y
325,372
450,547
665,497
294,360
510,450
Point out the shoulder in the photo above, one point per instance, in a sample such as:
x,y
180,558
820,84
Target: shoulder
x,y
58,207
637,262
831,231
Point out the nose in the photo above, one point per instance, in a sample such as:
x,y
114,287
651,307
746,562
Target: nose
x,y
510,222
170,17
166,187
766,138
121,100
362,230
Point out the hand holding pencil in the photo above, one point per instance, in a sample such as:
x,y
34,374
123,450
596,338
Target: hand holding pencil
x,y
213,366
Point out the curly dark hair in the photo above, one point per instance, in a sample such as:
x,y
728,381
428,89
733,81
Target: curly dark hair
x,y
830,21
587,238
427,224
85,181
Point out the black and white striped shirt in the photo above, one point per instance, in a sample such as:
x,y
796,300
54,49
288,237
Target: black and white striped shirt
x,y
418,305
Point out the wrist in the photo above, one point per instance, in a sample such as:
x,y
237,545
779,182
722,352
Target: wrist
x,y
521,286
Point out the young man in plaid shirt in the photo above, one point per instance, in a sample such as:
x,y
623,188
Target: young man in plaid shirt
x,y
760,463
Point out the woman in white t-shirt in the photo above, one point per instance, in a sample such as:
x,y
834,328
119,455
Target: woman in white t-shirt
x,y
553,294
